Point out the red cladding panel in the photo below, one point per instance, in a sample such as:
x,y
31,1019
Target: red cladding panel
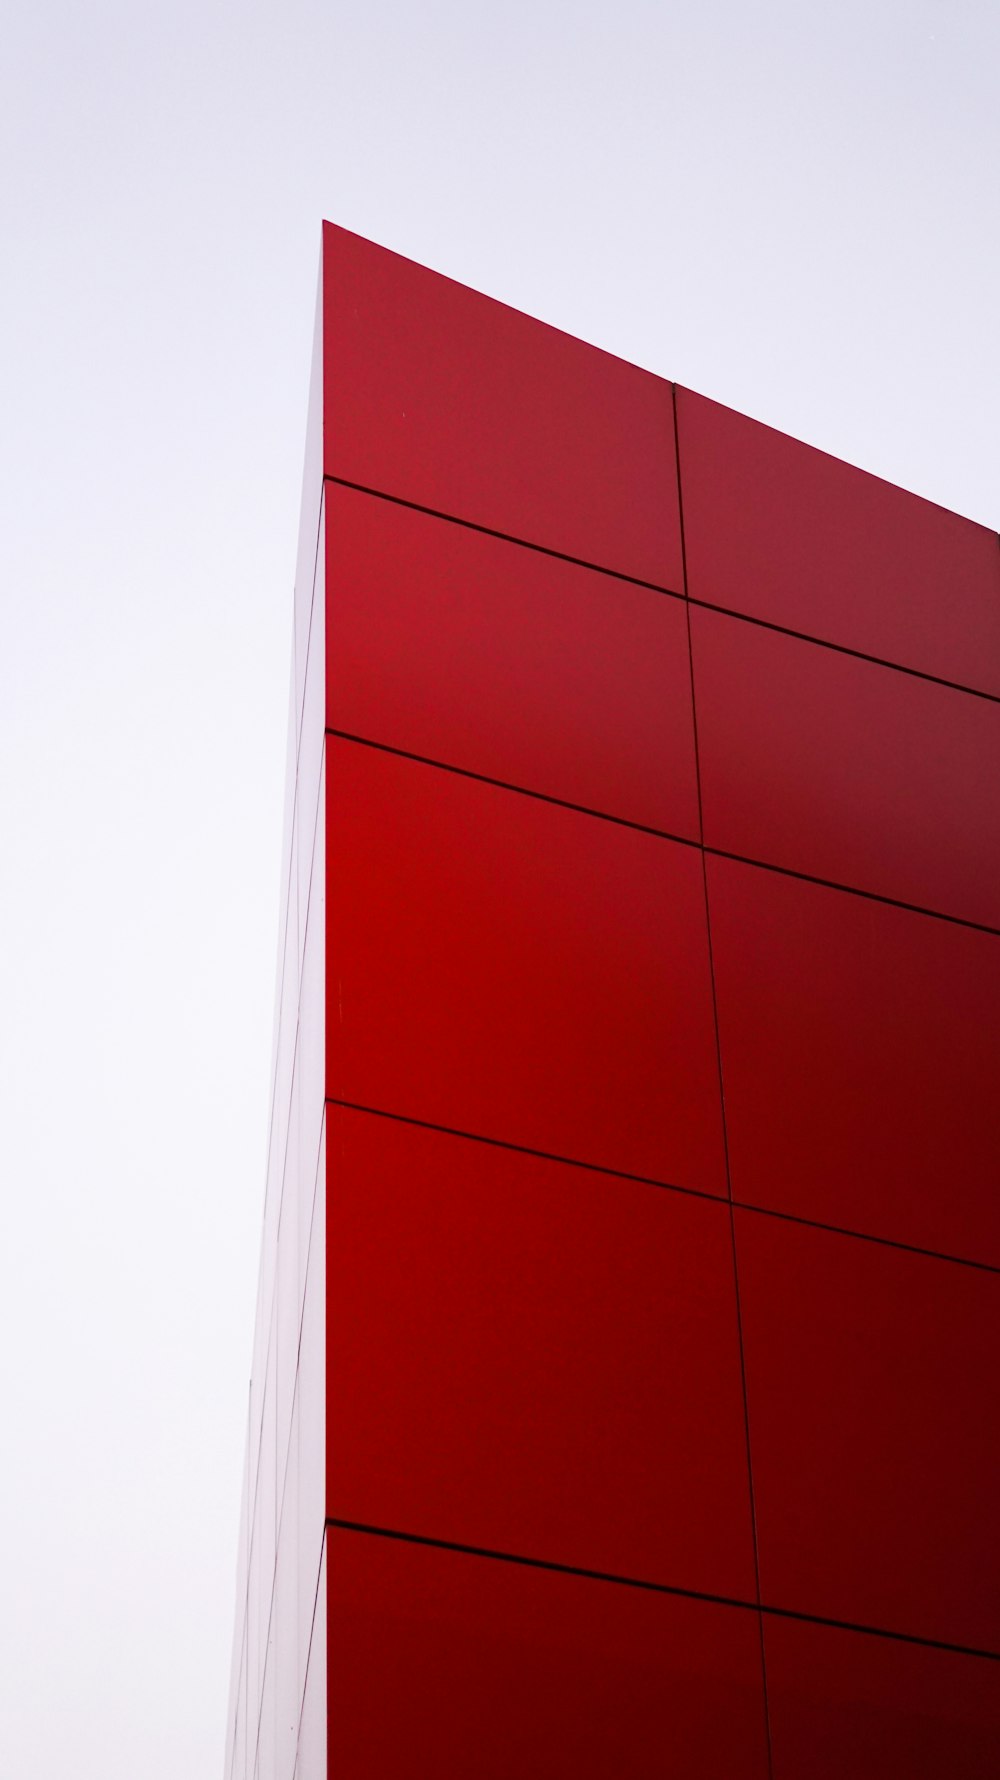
x,y
506,967
816,761
859,1055
451,1665
779,531
534,1358
447,642
841,1704
447,399
871,1385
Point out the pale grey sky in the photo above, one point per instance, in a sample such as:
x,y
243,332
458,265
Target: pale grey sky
x,y
792,207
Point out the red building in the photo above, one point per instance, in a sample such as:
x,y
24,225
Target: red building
x,y
624,1385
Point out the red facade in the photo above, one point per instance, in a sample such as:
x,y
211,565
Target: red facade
x,y
624,1392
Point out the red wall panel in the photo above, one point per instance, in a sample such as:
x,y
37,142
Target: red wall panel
x,y
785,533
447,1664
816,761
499,1336
860,1047
875,1450
519,971
444,398
844,1703
534,1358
446,642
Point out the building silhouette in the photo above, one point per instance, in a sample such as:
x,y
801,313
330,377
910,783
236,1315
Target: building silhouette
x,y
624,1378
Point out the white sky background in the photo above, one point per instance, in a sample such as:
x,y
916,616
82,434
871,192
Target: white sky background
x,y
791,207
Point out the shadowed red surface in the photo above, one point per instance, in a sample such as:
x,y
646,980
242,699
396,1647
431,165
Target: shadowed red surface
x,y
534,1358
875,1451
846,1703
447,1664
499,1308
860,1047
505,967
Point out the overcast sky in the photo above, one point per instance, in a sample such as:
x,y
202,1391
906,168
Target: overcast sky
x,y
791,207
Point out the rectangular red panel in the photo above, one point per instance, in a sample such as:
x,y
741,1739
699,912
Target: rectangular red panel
x,y
450,400
844,1705
871,1385
510,968
533,1358
446,642
836,767
446,1664
782,532
860,1047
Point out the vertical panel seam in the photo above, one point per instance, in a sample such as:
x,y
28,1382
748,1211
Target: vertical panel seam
x,y
722,1094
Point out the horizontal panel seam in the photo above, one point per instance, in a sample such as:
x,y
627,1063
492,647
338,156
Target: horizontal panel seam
x,y
488,531
520,1149
465,772
338,1524
681,840
899,667
646,1180
879,661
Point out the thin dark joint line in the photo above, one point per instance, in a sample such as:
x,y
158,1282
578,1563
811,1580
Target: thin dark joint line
x,y
722,1104
690,651
908,1248
892,902
523,1149
662,1186
597,568
532,1563
880,661
680,840
489,531
881,1631
367,1530
466,772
